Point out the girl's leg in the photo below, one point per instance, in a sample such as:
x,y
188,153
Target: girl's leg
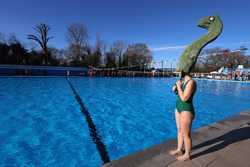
x,y
186,124
179,135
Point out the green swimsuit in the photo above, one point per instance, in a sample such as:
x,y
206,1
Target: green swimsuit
x,y
185,105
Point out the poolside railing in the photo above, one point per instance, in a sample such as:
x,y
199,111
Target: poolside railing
x,y
29,70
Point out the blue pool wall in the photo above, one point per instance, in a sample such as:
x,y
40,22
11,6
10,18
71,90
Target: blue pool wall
x,y
15,70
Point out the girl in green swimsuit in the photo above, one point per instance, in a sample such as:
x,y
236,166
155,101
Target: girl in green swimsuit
x,y
184,114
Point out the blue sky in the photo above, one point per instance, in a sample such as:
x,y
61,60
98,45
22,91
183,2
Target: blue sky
x,y
166,26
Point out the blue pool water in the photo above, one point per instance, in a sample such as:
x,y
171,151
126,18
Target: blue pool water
x,y
42,125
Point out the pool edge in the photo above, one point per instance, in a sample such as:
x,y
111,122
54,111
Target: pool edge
x,y
154,155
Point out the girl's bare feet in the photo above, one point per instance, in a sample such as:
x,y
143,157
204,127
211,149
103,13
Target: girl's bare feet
x,y
183,157
175,152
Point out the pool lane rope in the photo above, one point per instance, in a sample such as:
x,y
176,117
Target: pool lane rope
x,y
92,128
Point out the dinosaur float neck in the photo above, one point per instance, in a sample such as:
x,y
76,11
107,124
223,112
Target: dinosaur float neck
x,y
208,38
189,57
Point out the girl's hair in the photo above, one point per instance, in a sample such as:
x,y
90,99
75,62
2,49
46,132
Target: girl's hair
x,y
183,74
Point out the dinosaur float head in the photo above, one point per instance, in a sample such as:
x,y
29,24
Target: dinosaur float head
x,y
211,23
189,57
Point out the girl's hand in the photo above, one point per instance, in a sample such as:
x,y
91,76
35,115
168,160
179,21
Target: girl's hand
x,y
174,88
178,84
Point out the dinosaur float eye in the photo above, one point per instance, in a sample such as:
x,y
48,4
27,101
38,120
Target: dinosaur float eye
x,y
211,18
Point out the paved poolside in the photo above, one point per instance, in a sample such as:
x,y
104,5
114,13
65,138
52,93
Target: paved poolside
x,y
222,144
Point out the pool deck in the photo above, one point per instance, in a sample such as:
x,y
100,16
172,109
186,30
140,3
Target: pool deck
x,y
222,144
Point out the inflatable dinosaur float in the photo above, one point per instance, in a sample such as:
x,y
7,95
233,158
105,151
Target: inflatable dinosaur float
x,y
190,55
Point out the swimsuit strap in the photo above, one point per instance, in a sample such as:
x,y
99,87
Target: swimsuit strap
x,y
184,84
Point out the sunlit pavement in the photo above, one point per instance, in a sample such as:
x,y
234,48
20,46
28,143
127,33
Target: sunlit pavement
x,y
223,144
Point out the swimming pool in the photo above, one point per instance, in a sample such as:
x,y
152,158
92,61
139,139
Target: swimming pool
x,y
42,123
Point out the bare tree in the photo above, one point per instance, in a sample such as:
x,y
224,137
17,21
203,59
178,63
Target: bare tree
x,y
138,55
77,37
210,59
96,57
42,37
215,58
77,34
118,49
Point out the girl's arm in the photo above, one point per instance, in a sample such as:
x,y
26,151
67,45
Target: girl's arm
x,y
185,95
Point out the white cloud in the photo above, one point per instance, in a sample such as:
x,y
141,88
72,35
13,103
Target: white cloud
x,y
180,47
167,48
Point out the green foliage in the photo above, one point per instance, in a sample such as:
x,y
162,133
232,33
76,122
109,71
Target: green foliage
x,y
13,52
4,50
110,60
95,59
17,54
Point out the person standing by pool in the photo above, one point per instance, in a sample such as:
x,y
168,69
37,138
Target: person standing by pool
x,y
186,87
184,114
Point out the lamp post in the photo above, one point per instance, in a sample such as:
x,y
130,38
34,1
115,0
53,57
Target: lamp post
x,y
162,65
171,68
